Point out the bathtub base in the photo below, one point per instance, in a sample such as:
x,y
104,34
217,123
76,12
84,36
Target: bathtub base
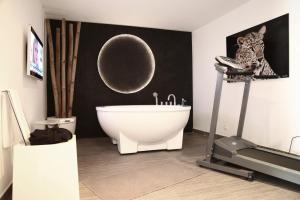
x,y
175,142
126,146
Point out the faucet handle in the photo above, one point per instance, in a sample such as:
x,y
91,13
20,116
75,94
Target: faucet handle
x,y
183,101
155,95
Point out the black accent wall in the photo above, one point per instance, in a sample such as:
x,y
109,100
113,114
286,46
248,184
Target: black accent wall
x,y
173,73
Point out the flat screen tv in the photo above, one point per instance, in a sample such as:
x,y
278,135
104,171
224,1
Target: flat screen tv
x,y
35,64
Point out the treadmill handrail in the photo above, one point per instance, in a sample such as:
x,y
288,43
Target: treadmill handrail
x,y
233,71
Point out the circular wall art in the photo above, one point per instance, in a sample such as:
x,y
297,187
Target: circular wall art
x,y
126,63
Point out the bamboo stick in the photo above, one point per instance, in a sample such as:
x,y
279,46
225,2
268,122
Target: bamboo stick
x,y
70,58
57,65
52,68
74,69
63,68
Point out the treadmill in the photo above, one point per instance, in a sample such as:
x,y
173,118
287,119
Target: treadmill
x,y
240,157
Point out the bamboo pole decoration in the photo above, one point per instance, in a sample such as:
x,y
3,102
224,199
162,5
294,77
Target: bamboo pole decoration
x,y
70,59
57,66
63,68
52,68
74,69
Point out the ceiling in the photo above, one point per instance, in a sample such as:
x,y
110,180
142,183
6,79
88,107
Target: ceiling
x,y
184,15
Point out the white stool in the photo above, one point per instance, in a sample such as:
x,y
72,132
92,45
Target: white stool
x,y
46,172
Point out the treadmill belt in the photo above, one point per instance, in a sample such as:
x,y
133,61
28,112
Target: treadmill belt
x,y
271,158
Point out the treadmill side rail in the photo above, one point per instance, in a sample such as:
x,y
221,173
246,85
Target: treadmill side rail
x,y
261,148
263,167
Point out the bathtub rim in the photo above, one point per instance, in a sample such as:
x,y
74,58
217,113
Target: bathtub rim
x,y
143,108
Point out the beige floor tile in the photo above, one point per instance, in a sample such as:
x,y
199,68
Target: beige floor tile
x,y
218,186
119,164
87,194
136,183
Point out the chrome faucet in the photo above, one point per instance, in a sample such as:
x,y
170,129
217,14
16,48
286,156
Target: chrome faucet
x,y
172,95
155,95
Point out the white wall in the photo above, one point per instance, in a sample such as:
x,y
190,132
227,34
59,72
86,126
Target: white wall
x,y
274,105
15,16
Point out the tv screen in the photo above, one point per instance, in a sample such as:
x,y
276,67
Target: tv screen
x,y
35,65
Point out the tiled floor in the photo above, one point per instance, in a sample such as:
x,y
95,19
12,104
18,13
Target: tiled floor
x,y
166,175
107,175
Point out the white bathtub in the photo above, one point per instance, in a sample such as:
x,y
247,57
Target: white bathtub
x,y
144,127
